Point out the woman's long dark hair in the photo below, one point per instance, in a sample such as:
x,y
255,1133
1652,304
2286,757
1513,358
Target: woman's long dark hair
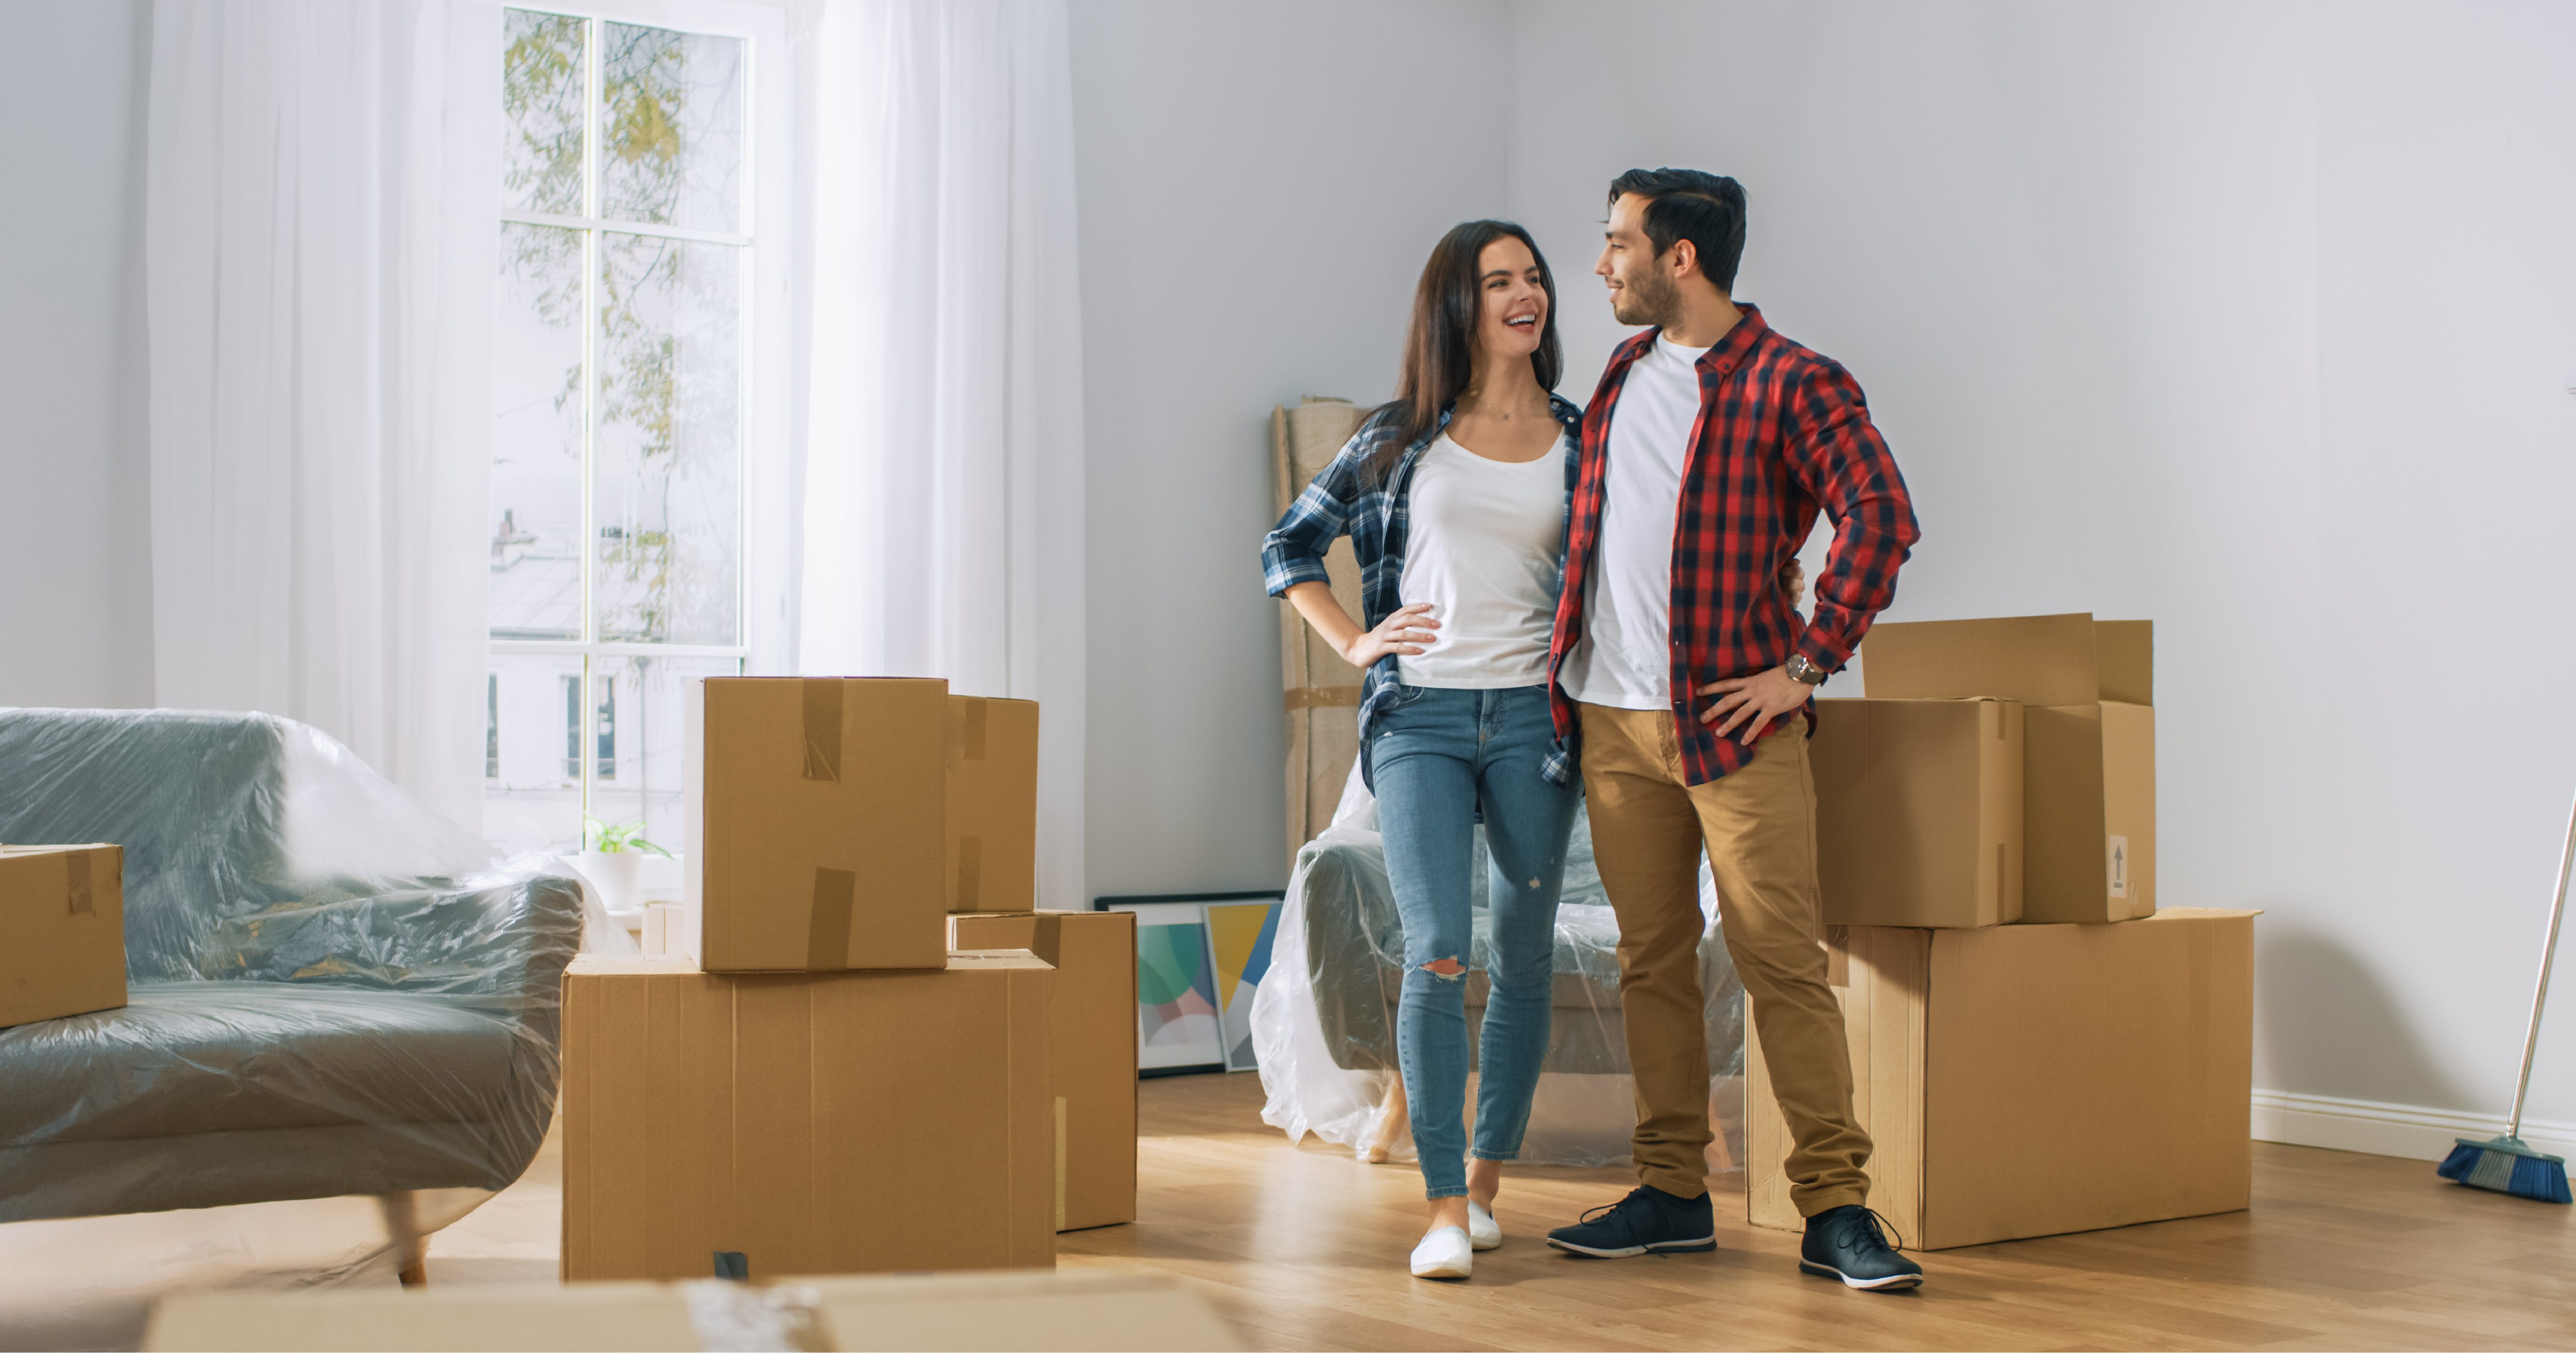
x,y
1440,348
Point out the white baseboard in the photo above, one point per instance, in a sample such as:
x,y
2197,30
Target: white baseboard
x,y
2406,1130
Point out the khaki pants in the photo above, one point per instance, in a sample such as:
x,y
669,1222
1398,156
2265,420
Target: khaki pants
x,y
1759,824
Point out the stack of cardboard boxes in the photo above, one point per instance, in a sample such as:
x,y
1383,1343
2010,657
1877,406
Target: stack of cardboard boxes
x,y
992,896
2035,1048
823,1083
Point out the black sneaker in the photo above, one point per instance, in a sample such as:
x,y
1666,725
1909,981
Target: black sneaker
x,y
1647,1221
1847,1243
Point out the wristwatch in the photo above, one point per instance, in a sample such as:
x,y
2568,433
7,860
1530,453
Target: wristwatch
x,y
1801,670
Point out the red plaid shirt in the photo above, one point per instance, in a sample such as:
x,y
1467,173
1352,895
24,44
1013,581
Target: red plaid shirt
x,y
1783,433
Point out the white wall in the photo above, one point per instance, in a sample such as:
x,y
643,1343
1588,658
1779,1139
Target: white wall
x,y
75,561
2446,169
1259,187
2249,319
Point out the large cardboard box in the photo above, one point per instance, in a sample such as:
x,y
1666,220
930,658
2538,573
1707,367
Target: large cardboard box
x,y
2029,1080
810,1122
2089,758
63,911
992,804
940,1311
1919,811
1094,1032
820,805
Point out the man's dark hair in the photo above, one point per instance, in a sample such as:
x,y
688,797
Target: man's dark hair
x,y
1688,204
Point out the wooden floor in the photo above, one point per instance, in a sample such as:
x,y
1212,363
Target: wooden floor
x,y
1303,1247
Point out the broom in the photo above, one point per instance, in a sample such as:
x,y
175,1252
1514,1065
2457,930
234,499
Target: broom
x,y
2505,1164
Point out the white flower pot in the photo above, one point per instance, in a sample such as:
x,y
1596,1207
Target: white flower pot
x,y
618,876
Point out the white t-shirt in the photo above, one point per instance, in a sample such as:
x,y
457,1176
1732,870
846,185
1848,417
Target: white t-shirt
x,y
1481,546
1624,659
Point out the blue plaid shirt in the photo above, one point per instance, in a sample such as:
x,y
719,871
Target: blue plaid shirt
x,y
1344,500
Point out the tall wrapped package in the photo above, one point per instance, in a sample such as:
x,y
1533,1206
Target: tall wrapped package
x,y
1322,691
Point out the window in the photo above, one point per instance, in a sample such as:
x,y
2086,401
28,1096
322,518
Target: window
x,y
604,719
625,359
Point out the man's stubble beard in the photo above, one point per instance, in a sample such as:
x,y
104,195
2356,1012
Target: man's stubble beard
x,y
1649,299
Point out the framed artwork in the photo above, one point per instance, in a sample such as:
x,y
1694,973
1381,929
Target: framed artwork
x,y
1199,957
1239,938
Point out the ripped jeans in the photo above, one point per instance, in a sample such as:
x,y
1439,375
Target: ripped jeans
x,y
1437,757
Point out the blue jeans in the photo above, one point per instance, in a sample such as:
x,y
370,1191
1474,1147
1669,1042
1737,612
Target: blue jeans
x,y
1439,756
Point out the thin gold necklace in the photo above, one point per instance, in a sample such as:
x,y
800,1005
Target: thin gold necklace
x,y
1507,416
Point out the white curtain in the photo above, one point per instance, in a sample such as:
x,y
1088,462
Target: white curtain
x,y
320,188
943,490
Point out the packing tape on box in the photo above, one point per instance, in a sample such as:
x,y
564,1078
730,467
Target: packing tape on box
x,y
1323,697
77,864
970,872
823,729
827,938
976,713
1060,1154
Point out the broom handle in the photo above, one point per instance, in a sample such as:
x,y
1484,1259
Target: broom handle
x,y
2540,998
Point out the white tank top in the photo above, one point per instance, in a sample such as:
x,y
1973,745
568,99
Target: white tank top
x,y
1481,545
1625,657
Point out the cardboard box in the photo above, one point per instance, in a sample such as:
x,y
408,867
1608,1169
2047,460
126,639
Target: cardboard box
x,y
63,909
1919,811
992,847
2089,759
2030,1080
820,805
944,1311
1094,1033
811,1122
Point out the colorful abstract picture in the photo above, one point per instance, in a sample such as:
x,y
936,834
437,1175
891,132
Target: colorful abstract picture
x,y
1177,1021
1239,938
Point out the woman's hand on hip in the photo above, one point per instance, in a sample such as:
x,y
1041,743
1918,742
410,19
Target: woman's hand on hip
x,y
1407,632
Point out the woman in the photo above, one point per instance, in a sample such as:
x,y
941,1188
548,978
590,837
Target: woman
x,y
1455,499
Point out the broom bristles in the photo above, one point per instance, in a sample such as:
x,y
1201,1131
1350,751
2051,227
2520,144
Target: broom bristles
x,y
2505,1165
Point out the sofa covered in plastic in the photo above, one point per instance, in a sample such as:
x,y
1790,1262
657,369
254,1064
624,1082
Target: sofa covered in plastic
x,y
332,990
1324,1016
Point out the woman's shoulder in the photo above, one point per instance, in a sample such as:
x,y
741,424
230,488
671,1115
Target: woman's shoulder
x,y
1382,423
1567,411
1374,439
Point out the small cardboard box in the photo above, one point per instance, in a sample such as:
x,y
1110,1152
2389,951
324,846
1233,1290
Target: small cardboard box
x,y
2089,759
2030,1080
941,1311
1094,953
811,1122
63,909
992,804
1919,811
819,808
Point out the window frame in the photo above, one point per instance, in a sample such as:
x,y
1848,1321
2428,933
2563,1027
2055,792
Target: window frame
x,y
767,242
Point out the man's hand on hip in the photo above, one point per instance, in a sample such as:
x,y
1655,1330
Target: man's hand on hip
x,y
1753,701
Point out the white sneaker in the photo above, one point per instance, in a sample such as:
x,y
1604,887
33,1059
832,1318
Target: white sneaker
x,y
1483,1231
1445,1253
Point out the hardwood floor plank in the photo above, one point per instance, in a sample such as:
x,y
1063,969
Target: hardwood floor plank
x,y
1303,1247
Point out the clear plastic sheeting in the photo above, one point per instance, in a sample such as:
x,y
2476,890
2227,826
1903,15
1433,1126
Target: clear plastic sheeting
x,y
333,990
1323,1019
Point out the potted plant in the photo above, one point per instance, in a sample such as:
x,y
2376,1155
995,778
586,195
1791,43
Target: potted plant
x,y
612,857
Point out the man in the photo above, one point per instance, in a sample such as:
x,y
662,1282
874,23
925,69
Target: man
x,y
1681,665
